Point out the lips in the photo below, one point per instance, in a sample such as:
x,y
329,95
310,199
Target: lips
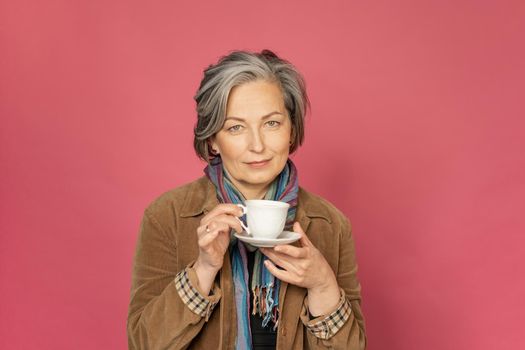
x,y
259,164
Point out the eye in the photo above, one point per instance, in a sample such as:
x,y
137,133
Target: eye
x,y
235,128
273,123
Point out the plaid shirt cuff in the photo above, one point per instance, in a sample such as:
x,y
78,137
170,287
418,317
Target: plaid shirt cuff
x,y
326,326
186,283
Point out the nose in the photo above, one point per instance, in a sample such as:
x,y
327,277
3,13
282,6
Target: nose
x,y
256,142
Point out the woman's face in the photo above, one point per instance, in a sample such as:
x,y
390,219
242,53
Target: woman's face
x,y
254,142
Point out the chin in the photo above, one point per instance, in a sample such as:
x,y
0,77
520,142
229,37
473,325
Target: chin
x,y
261,178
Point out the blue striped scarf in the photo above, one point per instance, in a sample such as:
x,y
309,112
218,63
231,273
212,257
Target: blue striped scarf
x,y
265,287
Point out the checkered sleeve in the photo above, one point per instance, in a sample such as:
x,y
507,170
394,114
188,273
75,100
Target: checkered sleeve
x,y
186,283
326,326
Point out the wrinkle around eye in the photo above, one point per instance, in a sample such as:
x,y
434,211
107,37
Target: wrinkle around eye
x,y
234,129
275,123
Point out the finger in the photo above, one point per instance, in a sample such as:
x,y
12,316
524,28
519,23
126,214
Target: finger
x,y
295,252
206,229
272,253
224,208
283,275
208,239
283,261
230,220
305,242
215,228
201,230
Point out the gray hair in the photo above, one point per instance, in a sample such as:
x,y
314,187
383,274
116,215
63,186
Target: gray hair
x,y
237,68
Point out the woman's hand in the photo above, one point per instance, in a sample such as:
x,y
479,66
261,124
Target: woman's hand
x,y
213,240
305,267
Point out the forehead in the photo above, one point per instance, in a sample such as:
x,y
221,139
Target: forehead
x,y
255,98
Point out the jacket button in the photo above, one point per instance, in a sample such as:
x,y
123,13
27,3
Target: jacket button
x,y
283,331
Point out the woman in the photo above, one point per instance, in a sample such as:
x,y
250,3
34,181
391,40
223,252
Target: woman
x,y
194,284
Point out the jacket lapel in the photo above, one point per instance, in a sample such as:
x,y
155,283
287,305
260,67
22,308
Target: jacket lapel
x,y
294,294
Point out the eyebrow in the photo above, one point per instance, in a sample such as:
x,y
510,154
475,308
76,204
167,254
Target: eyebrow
x,y
263,117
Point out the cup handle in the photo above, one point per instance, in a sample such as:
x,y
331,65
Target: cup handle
x,y
244,211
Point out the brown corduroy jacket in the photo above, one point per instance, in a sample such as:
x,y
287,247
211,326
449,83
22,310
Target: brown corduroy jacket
x,y
167,243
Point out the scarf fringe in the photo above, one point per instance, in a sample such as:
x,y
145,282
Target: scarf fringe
x,y
265,304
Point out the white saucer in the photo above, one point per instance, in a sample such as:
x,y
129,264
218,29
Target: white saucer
x,y
285,237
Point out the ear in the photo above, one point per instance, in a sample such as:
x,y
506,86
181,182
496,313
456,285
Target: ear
x,y
213,146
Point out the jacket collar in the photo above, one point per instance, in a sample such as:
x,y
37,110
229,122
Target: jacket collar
x,y
201,198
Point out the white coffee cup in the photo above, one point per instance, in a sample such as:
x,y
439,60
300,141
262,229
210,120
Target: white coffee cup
x,y
265,218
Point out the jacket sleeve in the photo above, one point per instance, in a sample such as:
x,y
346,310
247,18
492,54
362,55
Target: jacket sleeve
x,y
351,335
158,318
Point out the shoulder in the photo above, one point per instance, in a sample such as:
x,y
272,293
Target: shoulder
x,y
172,203
316,206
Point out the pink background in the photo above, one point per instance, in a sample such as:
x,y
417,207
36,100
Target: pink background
x,y
416,133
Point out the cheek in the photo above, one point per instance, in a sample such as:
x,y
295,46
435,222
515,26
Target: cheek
x,y
281,143
232,150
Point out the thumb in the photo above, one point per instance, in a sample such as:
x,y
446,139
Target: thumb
x,y
304,240
297,228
